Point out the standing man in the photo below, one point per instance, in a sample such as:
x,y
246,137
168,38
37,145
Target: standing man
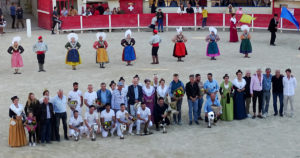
x,y
189,9
103,97
13,14
175,85
160,20
247,78
273,29
277,89
267,84
201,93
40,48
118,97
55,20
155,40
60,105
134,95
47,115
256,91
192,93
19,14
90,97
211,86
76,94
204,17
289,86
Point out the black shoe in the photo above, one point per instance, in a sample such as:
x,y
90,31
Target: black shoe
x,y
259,116
281,115
200,118
275,114
197,122
49,142
66,138
272,44
191,122
53,33
253,117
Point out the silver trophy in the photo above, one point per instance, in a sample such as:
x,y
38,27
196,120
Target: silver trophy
x,y
72,104
163,125
94,131
76,135
123,128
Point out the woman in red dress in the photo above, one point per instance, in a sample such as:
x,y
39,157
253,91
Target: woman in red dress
x,y
179,47
233,30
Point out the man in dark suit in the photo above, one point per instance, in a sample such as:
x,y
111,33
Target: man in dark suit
x,y
47,114
134,95
273,29
100,8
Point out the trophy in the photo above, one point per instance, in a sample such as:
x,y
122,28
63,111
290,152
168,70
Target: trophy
x,y
72,104
94,131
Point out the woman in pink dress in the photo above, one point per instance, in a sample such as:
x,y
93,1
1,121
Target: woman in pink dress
x,y
149,96
233,30
16,50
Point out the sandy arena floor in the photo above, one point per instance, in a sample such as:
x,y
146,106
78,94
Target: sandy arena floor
x,y
273,137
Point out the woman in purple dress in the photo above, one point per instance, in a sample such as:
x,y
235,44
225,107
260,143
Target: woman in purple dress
x,y
149,96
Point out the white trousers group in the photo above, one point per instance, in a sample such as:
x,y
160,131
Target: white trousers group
x,y
119,132
81,129
138,125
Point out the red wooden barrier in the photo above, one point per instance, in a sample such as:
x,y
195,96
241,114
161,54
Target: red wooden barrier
x,y
145,19
175,19
124,20
71,22
213,19
262,20
98,21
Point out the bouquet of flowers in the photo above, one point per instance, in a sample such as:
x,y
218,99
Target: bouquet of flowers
x,y
178,92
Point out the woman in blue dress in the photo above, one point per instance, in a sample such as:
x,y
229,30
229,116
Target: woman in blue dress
x,y
128,52
73,56
239,84
212,46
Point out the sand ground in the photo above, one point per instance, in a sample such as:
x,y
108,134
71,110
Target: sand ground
x,y
273,137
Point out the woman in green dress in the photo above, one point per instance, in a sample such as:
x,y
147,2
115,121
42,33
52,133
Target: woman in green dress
x,y
226,99
245,47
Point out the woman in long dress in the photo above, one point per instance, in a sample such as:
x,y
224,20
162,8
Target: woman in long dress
x,y
17,136
128,52
233,29
73,56
179,47
246,46
163,90
16,50
149,96
101,46
212,46
226,99
239,84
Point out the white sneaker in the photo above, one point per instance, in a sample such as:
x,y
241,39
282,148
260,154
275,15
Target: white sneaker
x,y
132,134
137,132
249,115
266,114
30,144
33,144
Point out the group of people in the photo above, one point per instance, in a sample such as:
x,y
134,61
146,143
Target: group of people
x,y
174,3
125,108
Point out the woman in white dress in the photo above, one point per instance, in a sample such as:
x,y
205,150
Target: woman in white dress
x,y
163,90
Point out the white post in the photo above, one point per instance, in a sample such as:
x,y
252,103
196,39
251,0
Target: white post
x,y
223,21
195,21
28,26
252,23
109,22
81,25
138,20
167,22
281,24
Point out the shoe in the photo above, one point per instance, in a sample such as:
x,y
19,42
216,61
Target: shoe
x,y
197,122
122,137
272,44
49,142
157,129
30,144
266,114
191,122
33,144
137,132
253,117
43,144
200,118
132,134
281,115
67,138
249,115
259,116
53,33
179,123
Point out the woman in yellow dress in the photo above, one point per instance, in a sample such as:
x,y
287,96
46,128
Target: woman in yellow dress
x,y
17,137
100,46
73,56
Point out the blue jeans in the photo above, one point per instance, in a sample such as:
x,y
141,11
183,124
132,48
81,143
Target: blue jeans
x,y
266,101
178,116
46,131
193,109
160,24
200,103
280,96
204,22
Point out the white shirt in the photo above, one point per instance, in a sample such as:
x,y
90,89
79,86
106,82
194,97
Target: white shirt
x,y
90,97
198,10
117,98
75,122
107,115
76,96
121,115
289,86
17,110
162,92
91,118
144,113
180,11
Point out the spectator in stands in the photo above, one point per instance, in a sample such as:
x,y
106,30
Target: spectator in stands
x,y
230,9
100,8
239,11
189,9
173,3
181,10
153,7
161,3
13,14
204,17
114,11
55,20
64,12
1,12
192,3
2,24
120,11
92,9
267,3
183,2
160,20
72,11
88,12
107,12
19,14
256,3
198,9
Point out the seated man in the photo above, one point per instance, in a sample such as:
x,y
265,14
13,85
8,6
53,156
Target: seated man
x,y
143,117
123,118
160,113
76,124
108,120
91,118
213,105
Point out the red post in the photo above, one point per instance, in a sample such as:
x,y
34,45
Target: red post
x,y
273,6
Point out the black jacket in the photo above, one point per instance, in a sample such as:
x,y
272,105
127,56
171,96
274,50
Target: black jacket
x,y
131,96
192,90
158,111
247,87
44,111
273,25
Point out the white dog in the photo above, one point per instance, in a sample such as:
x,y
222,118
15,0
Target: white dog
x,y
211,117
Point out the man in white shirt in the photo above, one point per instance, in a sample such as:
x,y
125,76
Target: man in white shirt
x,y
289,86
108,121
123,118
76,124
91,118
89,97
143,117
76,94
118,97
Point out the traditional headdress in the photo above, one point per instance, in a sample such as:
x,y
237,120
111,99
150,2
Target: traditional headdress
x,y
128,32
245,27
72,35
16,39
213,29
179,30
101,34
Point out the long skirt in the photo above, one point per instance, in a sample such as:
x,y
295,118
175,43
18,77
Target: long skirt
x,y
16,60
128,54
233,35
73,57
212,49
17,137
239,106
102,56
227,108
149,101
179,50
246,46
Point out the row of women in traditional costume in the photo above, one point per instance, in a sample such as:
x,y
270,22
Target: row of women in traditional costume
x,y
233,98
